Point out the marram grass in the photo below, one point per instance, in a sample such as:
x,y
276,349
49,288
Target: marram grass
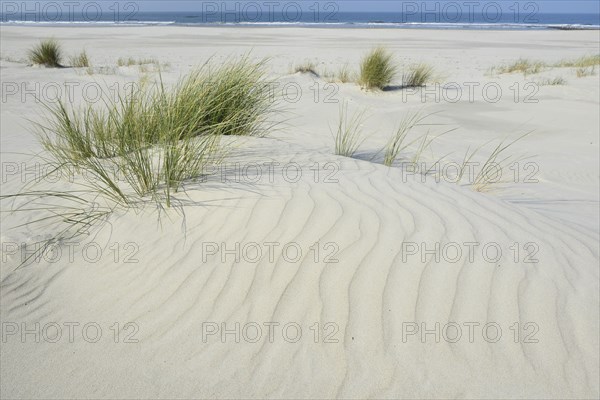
x,y
397,141
156,138
80,61
528,67
524,66
582,72
129,61
581,62
494,166
237,98
48,52
553,82
377,69
417,76
349,131
308,67
344,75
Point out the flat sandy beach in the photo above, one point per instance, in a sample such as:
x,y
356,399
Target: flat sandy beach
x,y
322,276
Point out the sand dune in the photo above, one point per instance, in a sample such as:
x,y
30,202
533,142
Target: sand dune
x,y
337,266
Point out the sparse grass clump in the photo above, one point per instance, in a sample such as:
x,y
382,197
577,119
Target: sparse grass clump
x,y
522,65
377,69
307,67
154,138
493,168
101,70
80,61
396,142
329,76
48,52
417,76
344,75
122,62
581,62
528,67
553,82
128,62
349,131
585,71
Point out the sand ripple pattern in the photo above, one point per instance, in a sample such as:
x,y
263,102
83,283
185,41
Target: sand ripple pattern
x,y
374,292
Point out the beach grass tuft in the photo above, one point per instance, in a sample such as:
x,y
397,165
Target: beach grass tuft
x,y
529,67
581,62
151,140
494,167
48,52
377,69
308,67
344,75
522,65
129,61
553,82
349,131
397,142
417,76
80,61
585,71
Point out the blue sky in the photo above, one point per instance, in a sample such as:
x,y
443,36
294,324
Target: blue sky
x,y
544,6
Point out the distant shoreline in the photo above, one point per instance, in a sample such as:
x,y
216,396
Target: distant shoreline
x,y
345,25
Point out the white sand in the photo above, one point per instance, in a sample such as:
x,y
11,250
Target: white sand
x,y
378,291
